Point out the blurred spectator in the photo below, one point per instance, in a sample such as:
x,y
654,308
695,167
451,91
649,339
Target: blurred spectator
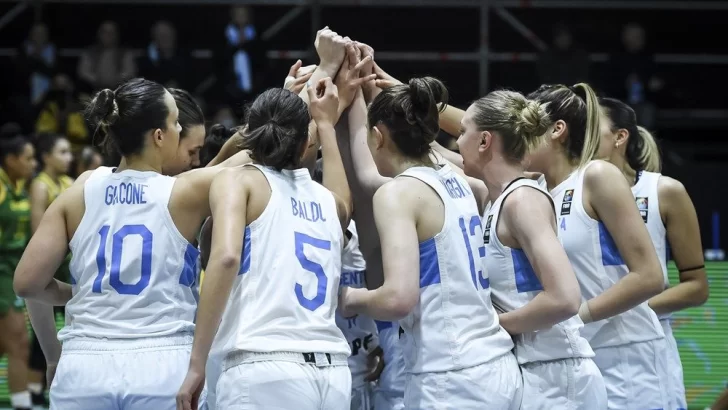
x,y
105,64
563,63
61,113
87,160
243,56
635,74
163,61
36,62
225,117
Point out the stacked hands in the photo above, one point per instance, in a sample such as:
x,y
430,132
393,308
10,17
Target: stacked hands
x,y
351,65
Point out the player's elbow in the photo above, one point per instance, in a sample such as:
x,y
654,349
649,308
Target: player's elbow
x,y
568,306
227,261
400,304
700,294
653,281
24,287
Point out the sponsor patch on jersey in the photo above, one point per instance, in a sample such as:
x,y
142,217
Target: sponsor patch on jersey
x,y
643,206
486,233
566,203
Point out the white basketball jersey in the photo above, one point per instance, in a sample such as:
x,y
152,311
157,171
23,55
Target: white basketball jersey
x,y
598,265
360,331
454,325
648,203
286,292
514,284
134,273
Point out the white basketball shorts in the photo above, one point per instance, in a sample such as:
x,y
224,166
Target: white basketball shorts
x,y
284,381
674,369
135,374
574,384
635,375
496,384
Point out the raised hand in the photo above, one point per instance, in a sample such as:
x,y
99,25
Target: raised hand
x,y
348,79
384,80
294,81
324,102
331,49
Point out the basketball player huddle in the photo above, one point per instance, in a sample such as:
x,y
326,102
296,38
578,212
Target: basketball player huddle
x,y
517,274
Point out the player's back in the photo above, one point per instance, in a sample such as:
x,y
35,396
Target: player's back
x,y
133,273
454,326
285,295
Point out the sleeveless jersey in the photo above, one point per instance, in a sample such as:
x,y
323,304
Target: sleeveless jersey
x,y
598,265
360,331
54,188
515,284
133,272
648,203
286,292
454,325
14,216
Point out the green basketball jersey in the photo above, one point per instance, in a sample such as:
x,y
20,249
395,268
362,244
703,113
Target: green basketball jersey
x,y
14,216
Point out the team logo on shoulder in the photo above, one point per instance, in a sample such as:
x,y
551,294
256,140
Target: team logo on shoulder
x,y
566,203
643,206
486,232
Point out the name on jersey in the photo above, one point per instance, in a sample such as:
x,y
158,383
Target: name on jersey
x,y
352,278
126,193
309,211
358,343
454,188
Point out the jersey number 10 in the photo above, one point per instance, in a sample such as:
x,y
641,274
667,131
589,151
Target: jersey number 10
x,y
117,244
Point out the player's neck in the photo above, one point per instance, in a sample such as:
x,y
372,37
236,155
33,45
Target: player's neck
x,y
558,170
138,163
404,163
498,176
621,163
51,173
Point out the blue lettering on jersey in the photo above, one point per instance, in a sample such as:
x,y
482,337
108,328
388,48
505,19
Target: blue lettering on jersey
x,y
126,194
352,278
454,188
310,211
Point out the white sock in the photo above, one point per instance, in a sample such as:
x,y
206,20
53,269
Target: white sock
x,y
35,388
20,399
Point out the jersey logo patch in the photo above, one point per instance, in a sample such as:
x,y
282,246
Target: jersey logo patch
x,y
643,205
566,203
486,232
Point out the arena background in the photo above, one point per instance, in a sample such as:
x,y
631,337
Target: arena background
x,y
474,46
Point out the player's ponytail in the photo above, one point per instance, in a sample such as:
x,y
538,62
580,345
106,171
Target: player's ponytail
x,y
122,117
411,114
578,108
277,132
519,122
642,152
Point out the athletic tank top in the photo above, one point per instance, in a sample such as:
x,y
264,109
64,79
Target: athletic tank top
x,y
598,265
648,203
515,284
359,330
132,271
14,218
454,325
286,292
54,188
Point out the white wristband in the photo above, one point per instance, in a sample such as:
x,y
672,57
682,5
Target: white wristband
x,y
585,313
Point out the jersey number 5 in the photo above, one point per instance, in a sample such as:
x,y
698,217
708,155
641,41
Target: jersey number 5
x,y
302,239
117,244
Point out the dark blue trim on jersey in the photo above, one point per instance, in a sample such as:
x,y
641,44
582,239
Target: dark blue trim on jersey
x,y
429,266
245,257
189,271
382,325
610,253
526,279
